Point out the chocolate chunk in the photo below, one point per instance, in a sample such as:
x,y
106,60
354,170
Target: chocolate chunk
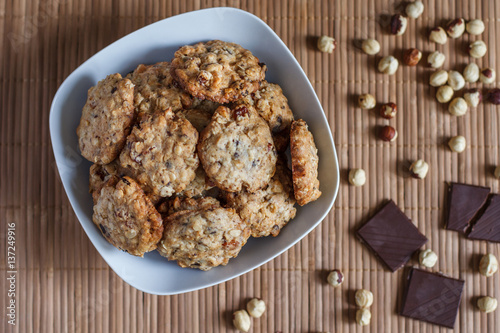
x,y
464,201
391,236
487,226
432,297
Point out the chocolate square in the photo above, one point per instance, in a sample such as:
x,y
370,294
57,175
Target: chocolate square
x,y
391,236
487,226
432,297
464,201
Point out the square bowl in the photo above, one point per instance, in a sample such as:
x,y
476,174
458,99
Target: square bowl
x,y
158,42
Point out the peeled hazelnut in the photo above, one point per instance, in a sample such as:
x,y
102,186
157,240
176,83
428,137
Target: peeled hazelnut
x,y
363,317
475,27
427,258
335,278
389,110
370,46
487,75
444,94
457,144
496,173
471,72
494,96
367,101
438,35
241,320
487,304
488,265
327,44
357,177
363,298
473,97
388,65
398,24
477,49
458,106
456,28
414,9
256,307
438,78
455,80
419,169
411,57
436,59
388,133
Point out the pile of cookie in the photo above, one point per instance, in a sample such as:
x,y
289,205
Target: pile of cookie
x,y
190,156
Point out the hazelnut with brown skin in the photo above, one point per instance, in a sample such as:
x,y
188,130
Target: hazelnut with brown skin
x,y
494,96
398,24
389,110
388,133
487,75
438,35
456,28
411,57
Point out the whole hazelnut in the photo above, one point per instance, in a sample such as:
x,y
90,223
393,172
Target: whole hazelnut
x,y
357,177
477,49
436,59
475,27
487,304
370,46
438,78
488,265
256,307
427,258
496,173
473,97
457,144
389,110
363,317
438,35
444,94
414,9
419,169
411,57
241,320
388,133
363,298
335,278
388,65
455,28
487,75
327,44
455,80
398,24
471,72
494,96
367,101
458,106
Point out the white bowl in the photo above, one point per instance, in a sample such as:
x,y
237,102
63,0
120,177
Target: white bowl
x,y
158,42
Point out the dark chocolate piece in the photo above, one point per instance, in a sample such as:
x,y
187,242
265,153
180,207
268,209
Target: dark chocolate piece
x,y
391,236
432,297
487,226
464,201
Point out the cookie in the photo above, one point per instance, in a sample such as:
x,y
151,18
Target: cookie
x,y
236,149
304,163
198,186
161,153
268,210
106,119
127,218
179,204
203,238
199,118
219,71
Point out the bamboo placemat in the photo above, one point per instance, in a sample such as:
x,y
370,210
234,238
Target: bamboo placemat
x,y
63,285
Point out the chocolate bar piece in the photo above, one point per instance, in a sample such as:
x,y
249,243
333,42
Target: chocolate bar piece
x,y
487,226
464,201
391,236
432,297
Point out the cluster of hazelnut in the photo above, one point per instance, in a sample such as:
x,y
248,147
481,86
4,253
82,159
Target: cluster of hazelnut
x,y
241,318
488,266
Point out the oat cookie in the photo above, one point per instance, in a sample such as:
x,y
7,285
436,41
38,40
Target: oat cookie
x,y
203,238
161,153
199,118
304,163
106,119
219,71
179,204
127,218
236,149
199,186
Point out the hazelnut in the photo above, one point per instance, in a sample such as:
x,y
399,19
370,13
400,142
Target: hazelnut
x,y
456,28
335,278
357,177
256,307
487,304
457,144
389,110
411,57
475,27
367,101
398,24
444,94
370,46
473,97
327,44
414,9
427,258
494,96
436,59
496,173
388,133
438,78
477,49
438,35
471,73
455,80
363,317
488,265
487,75
419,169
363,298
241,320
458,106
388,65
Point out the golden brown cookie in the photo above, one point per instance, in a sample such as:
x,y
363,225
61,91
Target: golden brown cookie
x,y
199,186
179,204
